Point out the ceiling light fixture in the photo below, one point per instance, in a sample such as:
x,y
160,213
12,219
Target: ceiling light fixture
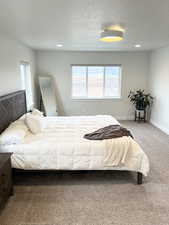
x,y
59,45
112,34
116,27
137,46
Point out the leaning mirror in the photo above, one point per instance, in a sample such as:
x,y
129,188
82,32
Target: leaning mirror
x,y
48,96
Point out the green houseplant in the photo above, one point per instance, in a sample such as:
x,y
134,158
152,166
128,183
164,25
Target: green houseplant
x,y
140,99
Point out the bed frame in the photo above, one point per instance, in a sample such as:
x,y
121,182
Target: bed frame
x,y
13,106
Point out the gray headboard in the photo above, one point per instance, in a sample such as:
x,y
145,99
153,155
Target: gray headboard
x,y
12,106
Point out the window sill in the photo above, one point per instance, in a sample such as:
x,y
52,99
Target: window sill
x,y
94,99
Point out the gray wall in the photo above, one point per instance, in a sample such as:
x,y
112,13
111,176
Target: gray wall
x,y
11,54
159,87
135,66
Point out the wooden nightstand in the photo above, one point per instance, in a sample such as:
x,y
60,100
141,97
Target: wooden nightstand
x,y
6,186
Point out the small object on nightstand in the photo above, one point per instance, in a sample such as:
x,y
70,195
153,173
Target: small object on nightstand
x,y
140,115
6,186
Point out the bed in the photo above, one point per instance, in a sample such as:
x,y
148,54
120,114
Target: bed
x,y
61,145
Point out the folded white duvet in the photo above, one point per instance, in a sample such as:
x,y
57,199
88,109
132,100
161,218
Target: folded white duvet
x,y
125,152
61,146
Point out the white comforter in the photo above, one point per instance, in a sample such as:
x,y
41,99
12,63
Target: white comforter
x,y
62,146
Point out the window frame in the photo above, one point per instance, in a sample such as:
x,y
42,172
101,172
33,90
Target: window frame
x,y
31,103
99,98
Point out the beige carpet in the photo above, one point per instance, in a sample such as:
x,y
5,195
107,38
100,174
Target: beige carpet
x,y
101,198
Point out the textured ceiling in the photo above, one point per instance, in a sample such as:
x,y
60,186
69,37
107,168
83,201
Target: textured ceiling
x,y
41,24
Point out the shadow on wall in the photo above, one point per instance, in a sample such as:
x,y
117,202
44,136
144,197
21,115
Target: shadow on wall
x,y
130,113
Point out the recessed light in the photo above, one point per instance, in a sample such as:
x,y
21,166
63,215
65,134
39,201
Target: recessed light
x,y
59,45
137,46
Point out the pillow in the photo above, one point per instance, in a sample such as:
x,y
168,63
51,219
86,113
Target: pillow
x,y
23,117
14,134
36,124
36,112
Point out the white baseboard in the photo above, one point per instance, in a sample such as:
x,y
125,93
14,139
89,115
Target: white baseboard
x,y
124,118
164,129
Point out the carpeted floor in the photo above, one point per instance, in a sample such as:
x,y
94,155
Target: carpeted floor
x,y
100,198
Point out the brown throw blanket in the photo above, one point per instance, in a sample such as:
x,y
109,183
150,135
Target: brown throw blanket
x,y
109,132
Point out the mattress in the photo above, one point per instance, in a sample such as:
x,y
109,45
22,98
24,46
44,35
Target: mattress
x,y
61,146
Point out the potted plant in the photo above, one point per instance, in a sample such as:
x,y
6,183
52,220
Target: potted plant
x,y
140,99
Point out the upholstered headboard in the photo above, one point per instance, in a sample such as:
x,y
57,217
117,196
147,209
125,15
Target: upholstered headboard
x,y
12,106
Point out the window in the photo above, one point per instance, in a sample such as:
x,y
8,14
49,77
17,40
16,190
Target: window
x,y
26,83
96,82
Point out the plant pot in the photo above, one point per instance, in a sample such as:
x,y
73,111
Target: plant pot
x,y
141,106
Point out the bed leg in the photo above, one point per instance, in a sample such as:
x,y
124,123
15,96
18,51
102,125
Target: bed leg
x,y
139,178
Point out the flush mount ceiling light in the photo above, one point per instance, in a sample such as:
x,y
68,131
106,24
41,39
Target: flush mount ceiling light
x,y
111,35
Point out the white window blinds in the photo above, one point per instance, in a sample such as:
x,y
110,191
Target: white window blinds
x,y
96,82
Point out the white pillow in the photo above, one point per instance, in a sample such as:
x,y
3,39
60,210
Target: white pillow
x,y
14,134
36,112
23,117
36,124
